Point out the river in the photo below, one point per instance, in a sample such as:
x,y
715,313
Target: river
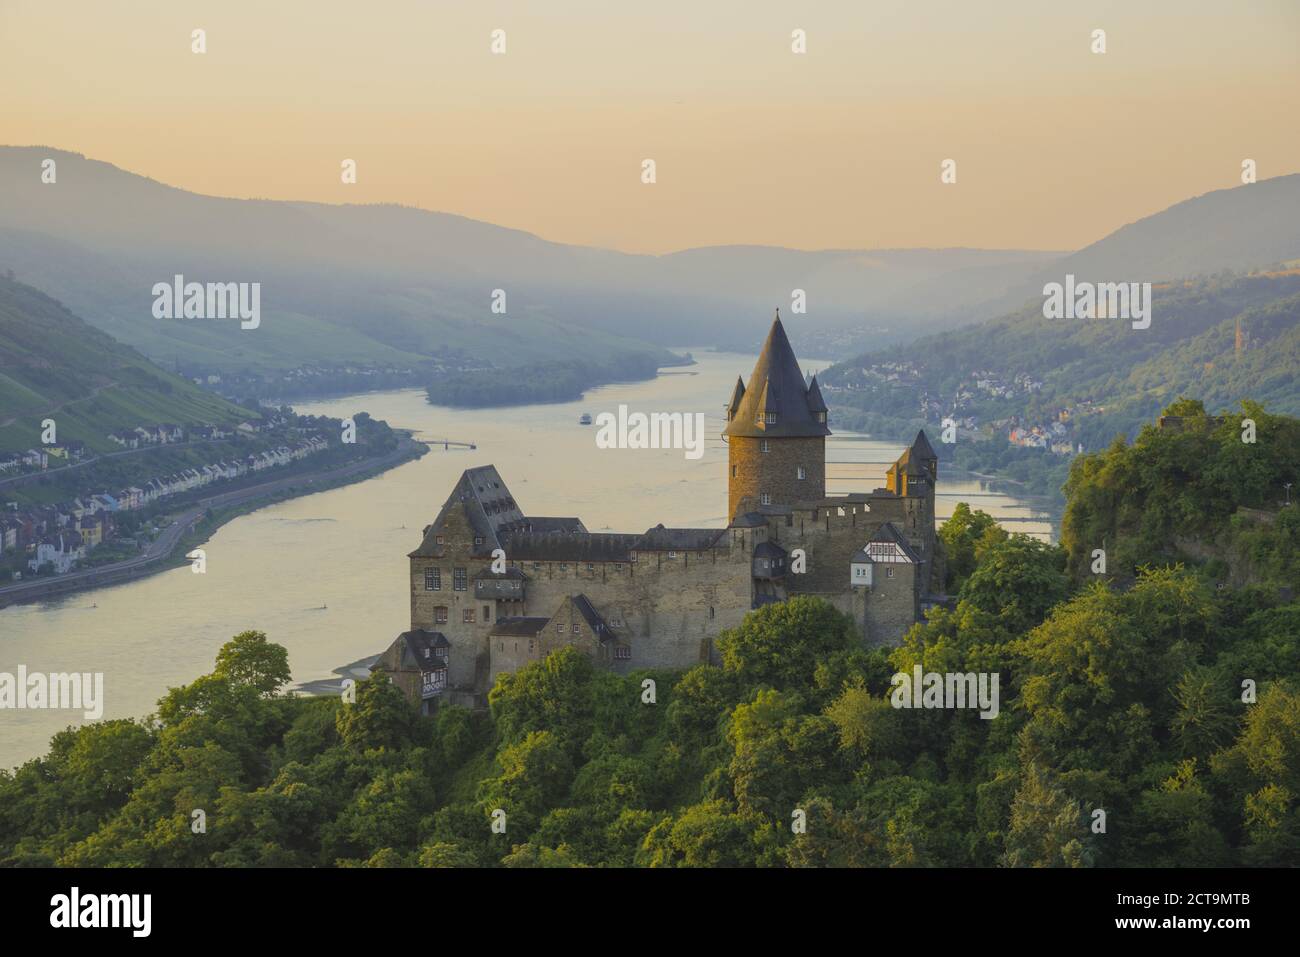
x,y
326,575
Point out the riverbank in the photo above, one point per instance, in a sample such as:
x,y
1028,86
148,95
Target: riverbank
x,y
547,383
200,519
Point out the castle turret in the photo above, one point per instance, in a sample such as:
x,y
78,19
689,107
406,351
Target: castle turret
x,y
913,478
776,432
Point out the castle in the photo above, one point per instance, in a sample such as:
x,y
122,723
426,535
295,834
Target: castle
x,y
493,589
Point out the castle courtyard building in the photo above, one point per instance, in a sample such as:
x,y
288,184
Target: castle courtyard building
x,y
502,588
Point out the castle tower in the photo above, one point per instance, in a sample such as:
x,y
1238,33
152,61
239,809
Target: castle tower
x,y
913,478
776,432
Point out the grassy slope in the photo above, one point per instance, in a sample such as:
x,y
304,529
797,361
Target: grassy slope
x,y
53,364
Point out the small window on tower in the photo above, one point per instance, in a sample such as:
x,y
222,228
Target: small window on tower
x,y
802,474
764,498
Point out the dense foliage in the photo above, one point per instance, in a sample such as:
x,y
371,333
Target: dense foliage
x,y
1154,722
1210,490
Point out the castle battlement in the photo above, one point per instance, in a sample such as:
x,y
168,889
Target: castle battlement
x,y
660,598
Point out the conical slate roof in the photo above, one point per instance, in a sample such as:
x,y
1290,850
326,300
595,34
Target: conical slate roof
x,y
815,401
921,449
776,386
737,394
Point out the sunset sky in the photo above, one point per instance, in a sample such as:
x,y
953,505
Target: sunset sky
x,y
840,147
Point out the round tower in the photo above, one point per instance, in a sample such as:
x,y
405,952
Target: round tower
x,y
776,432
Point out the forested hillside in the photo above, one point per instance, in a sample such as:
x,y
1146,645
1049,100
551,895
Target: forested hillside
x,y
1154,721
1222,338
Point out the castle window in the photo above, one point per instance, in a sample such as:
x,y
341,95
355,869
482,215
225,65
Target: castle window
x,y
433,579
889,572
487,613
478,540
764,498
672,554
467,616
438,539
590,567
710,611
577,628
440,615
623,653
821,416
458,579
559,627
531,643
764,446
802,474
733,471
771,418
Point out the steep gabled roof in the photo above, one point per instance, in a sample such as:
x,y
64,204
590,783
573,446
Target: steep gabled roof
x,y
776,386
737,394
595,621
415,649
922,450
488,506
815,401
887,545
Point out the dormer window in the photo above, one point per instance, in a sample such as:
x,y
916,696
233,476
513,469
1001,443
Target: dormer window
x,y
821,417
771,418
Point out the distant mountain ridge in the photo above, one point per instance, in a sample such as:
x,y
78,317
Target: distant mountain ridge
x,y
390,285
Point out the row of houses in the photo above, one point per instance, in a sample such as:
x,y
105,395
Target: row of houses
x,y
167,433
40,458
60,535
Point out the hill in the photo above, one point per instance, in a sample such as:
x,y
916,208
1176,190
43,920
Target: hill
x,y
54,364
1081,381
384,284
1096,704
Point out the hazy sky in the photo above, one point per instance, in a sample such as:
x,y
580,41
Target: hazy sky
x,y
839,147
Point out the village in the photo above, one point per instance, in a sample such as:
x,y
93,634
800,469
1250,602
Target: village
x,y
53,539
1053,431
